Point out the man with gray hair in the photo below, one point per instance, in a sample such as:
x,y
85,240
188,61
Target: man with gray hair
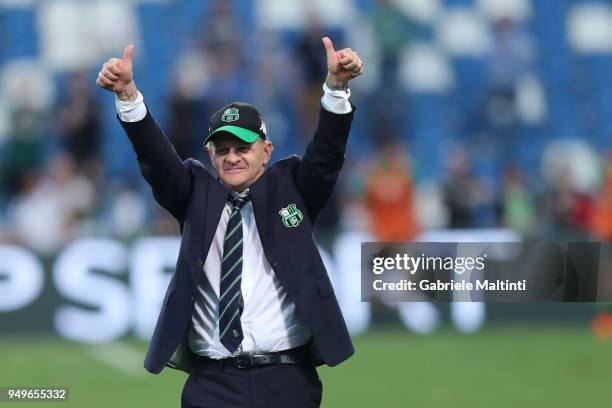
x,y
250,310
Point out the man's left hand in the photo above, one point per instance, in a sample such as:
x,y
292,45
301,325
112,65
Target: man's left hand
x,y
342,65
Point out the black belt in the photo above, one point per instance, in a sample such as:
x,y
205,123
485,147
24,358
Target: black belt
x,y
297,355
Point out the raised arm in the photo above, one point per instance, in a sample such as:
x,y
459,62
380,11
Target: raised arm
x,y
168,176
316,175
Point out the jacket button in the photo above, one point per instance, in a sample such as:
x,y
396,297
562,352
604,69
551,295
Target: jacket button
x,y
200,263
192,299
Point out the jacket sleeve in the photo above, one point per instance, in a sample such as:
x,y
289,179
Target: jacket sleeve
x,y
169,177
316,175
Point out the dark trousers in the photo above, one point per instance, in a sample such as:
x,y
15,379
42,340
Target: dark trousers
x,y
213,384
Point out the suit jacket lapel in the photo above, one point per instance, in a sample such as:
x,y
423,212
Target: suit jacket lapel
x,y
259,198
215,201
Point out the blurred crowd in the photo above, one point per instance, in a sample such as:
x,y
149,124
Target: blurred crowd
x,y
401,177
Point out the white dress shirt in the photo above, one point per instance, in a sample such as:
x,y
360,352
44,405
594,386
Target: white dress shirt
x,y
269,319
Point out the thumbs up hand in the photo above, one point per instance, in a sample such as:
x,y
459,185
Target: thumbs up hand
x,y
116,76
342,65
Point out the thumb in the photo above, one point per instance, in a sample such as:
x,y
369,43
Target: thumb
x,y
127,54
329,49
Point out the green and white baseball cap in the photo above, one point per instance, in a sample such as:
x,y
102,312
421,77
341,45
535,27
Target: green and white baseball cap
x,y
239,119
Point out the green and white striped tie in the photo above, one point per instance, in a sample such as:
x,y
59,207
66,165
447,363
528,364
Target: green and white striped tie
x,y
230,298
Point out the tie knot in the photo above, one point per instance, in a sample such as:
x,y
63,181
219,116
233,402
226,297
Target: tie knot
x,y
239,202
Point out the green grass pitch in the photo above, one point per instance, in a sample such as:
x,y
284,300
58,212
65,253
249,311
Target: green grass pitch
x,y
498,367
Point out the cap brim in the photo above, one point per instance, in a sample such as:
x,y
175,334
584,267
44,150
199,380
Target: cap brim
x,y
241,133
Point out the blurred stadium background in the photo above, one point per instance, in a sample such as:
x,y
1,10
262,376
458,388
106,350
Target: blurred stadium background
x,y
482,119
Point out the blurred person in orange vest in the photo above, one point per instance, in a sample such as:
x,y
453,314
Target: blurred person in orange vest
x,y
601,217
600,226
389,194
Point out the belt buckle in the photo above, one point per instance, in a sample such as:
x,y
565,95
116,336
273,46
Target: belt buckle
x,y
244,361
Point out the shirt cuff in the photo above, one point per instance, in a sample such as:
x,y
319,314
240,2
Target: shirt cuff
x,y
336,101
131,111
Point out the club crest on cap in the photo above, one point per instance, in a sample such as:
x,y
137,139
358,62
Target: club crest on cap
x,y
230,115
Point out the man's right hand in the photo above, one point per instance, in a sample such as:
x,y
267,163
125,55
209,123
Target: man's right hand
x,y
116,76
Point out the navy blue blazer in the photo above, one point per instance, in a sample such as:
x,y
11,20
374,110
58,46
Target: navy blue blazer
x,y
196,199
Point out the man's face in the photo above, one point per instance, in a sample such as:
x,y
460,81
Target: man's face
x,y
239,163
